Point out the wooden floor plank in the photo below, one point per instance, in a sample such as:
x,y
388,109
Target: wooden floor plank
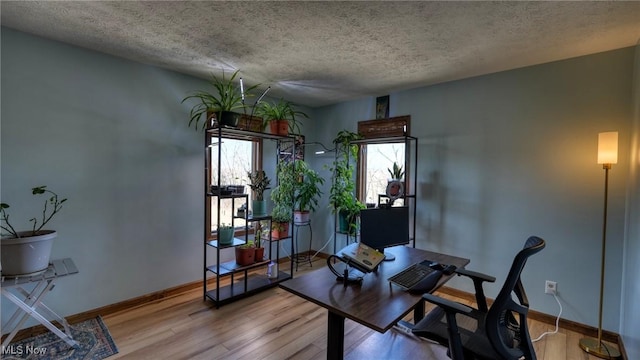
x,y
276,324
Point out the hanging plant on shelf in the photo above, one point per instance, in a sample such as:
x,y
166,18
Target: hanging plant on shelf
x,y
229,97
281,116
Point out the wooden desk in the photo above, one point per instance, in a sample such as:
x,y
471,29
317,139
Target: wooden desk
x,y
375,303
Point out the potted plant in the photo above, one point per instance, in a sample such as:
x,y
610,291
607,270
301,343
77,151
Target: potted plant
x,y
283,200
27,252
220,106
245,254
307,191
259,233
225,234
396,172
258,182
395,184
280,116
342,191
348,214
280,219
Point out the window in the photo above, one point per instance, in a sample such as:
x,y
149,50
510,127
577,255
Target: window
x,y
237,158
384,143
377,158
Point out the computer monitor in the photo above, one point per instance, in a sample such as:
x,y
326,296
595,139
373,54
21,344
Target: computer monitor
x,y
384,227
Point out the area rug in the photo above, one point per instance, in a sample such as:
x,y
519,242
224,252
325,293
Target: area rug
x,y
93,337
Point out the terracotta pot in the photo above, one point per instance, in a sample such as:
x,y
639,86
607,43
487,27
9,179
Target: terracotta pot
x,y
279,230
259,256
279,127
245,256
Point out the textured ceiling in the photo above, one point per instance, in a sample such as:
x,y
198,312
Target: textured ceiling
x,y
318,53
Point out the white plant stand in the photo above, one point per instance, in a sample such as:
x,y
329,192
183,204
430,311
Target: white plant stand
x,y
31,303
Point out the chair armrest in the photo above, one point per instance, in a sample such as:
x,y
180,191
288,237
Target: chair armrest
x,y
475,275
478,279
447,305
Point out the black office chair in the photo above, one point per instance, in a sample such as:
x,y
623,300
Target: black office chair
x,y
499,332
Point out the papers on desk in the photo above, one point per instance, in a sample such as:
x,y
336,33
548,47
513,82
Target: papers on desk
x,y
363,256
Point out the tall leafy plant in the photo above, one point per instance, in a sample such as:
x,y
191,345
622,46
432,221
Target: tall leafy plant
x,y
342,197
229,97
307,189
282,194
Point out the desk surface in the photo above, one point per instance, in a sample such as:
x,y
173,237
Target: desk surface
x,y
375,303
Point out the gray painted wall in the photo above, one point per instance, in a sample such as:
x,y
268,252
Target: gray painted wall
x,y
630,315
502,156
110,135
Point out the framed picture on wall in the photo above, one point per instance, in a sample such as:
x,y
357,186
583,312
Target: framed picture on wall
x,y
382,107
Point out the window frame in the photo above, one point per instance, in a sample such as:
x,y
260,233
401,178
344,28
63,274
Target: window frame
x,y
382,131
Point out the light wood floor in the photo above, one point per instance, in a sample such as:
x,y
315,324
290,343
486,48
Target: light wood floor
x,y
273,324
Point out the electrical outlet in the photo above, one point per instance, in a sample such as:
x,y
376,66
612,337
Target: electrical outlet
x,y
550,287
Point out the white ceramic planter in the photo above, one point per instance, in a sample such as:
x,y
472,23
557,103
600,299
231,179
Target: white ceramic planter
x,y
28,254
301,217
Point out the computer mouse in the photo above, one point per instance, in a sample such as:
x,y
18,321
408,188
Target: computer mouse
x,y
436,266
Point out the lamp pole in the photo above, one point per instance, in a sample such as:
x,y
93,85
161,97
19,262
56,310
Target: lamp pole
x,y
607,155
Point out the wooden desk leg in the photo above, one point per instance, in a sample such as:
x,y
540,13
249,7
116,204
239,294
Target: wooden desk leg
x,y
418,311
335,337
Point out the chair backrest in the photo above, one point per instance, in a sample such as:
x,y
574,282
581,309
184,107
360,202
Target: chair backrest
x,y
509,338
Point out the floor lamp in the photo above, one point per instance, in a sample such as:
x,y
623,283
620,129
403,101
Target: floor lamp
x,y
607,155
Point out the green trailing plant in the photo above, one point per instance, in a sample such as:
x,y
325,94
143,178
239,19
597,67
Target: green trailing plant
x,y
342,197
280,110
307,189
351,210
342,190
51,207
283,194
258,182
396,172
228,98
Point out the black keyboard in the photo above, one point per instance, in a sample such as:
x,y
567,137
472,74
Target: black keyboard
x,y
412,275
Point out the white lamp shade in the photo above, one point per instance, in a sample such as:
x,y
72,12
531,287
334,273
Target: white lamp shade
x,y
608,147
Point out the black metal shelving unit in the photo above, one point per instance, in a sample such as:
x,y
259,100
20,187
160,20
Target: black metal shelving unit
x,y
411,171
243,280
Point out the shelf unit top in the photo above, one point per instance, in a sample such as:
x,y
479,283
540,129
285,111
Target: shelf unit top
x,y
239,134
384,140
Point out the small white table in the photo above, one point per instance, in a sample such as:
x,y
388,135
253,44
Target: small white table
x,y
30,303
